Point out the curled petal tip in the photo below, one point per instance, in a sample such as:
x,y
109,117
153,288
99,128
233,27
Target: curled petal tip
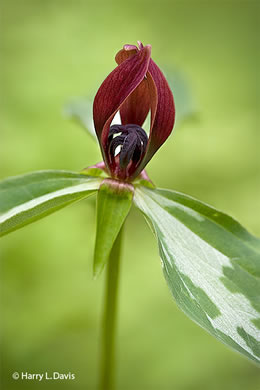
x,y
130,47
146,47
140,45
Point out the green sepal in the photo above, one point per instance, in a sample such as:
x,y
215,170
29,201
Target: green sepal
x,y
114,201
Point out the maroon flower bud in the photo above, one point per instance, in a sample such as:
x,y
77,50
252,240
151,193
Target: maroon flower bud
x,y
135,87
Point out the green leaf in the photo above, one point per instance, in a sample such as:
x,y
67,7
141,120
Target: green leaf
x,y
114,201
211,264
94,171
27,198
81,110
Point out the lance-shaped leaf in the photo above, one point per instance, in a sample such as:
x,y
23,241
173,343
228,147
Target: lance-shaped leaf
x,y
27,198
114,201
211,264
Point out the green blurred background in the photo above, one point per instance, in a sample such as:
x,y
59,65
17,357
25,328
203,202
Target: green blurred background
x,y
53,50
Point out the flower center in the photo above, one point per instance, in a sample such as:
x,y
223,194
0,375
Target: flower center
x,y
127,141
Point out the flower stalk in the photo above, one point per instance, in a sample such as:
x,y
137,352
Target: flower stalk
x,y
107,361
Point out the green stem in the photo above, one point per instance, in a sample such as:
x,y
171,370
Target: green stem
x,y
109,319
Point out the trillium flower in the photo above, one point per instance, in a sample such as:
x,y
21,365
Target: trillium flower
x,y
134,88
210,262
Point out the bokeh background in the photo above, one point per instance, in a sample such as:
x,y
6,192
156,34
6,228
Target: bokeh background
x,y
51,307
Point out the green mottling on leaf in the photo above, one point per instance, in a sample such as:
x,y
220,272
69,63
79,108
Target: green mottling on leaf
x,y
183,297
228,340
229,285
202,298
256,322
216,228
237,280
251,342
190,235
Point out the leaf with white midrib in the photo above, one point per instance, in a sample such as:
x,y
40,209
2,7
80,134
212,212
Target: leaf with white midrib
x,y
27,198
211,264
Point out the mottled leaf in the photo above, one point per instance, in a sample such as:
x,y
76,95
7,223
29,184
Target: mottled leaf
x,y
211,264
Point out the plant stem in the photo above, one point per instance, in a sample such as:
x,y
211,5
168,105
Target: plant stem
x,y
109,319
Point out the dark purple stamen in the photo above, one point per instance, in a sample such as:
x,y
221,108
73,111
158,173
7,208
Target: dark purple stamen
x,y
133,141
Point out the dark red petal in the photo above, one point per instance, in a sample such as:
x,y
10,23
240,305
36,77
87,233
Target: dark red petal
x,y
125,53
164,118
136,107
115,89
153,98
162,113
